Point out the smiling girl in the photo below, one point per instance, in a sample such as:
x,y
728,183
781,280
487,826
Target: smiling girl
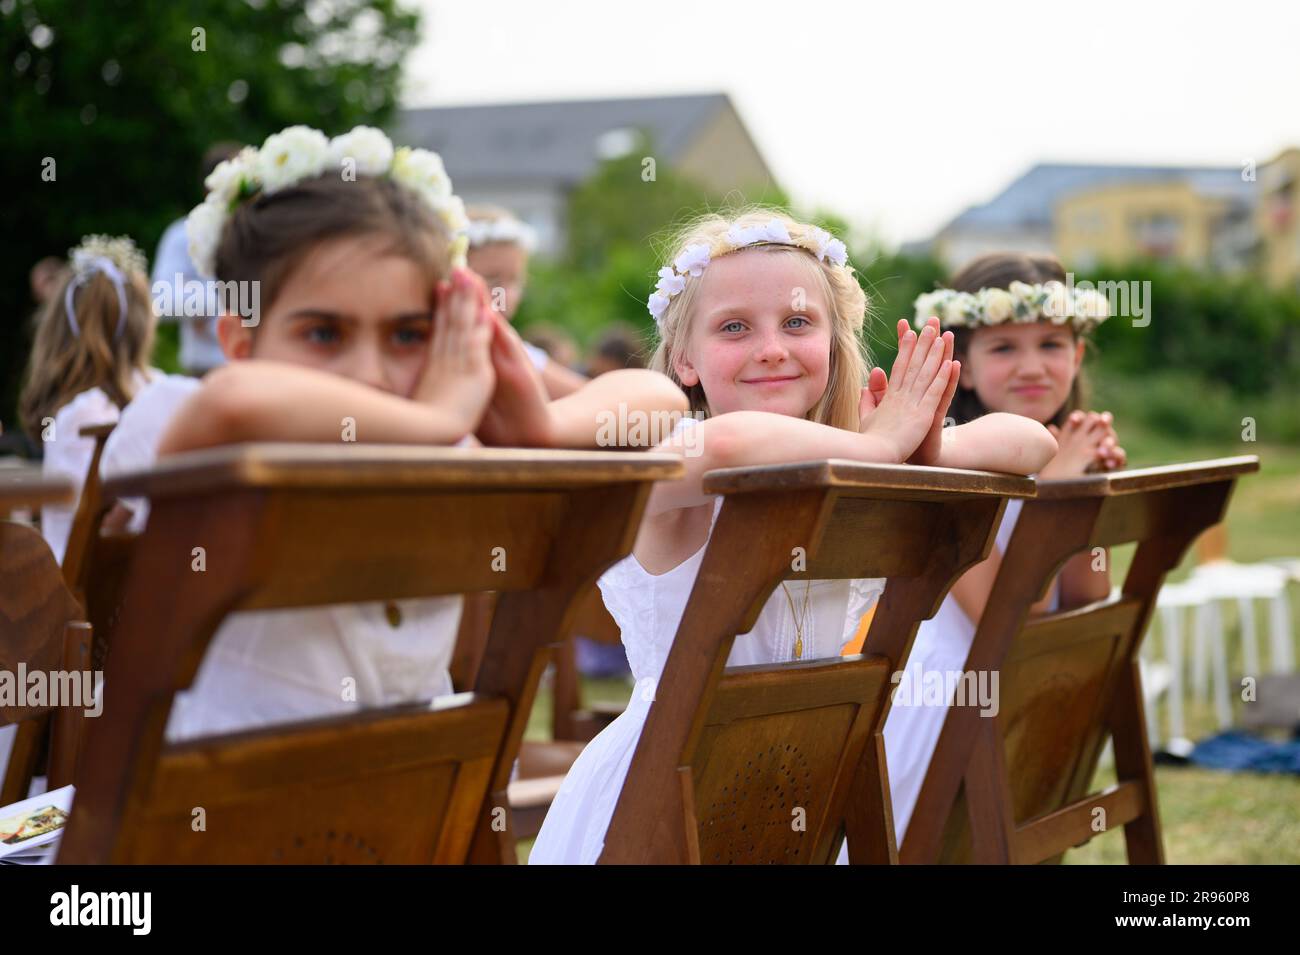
x,y
760,320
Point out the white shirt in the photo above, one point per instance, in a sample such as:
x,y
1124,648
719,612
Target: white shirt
x,y
68,455
286,665
200,350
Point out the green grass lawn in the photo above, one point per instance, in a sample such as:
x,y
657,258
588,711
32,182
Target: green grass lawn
x,y
1207,816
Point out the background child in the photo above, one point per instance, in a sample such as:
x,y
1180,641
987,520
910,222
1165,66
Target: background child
x,y
1020,336
760,321
499,247
94,336
362,315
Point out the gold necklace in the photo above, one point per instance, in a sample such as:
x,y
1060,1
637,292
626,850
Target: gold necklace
x,y
799,620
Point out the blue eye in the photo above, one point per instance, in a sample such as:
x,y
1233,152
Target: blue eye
x,y
322,334
799,318
412,335
733,326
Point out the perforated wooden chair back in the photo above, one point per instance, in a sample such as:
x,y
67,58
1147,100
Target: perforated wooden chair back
x,y
1014,787
307,525
773,763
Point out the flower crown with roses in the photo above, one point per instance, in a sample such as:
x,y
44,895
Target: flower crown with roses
x,y
1019,302
694,258
300,152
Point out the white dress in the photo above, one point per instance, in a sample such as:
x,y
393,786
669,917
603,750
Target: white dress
x,y
916,718
648,609
68,454
279,666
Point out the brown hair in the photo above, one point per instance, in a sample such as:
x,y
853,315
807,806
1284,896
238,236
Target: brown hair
x,y
268,236
999,270
64,364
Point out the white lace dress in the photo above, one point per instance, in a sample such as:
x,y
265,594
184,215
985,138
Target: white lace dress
x,y
648,609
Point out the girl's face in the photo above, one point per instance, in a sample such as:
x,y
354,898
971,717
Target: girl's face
x,y
760,334
504,266
1024,369
351,308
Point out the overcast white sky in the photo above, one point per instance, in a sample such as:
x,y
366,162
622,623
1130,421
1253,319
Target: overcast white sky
x,y
898,115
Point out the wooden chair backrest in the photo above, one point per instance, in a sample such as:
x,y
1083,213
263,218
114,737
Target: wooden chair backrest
x,y
86,521
41,631
308,525
726,759
1013,787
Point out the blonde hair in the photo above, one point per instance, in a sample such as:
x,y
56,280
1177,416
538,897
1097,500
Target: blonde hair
x,y
849,358
64,364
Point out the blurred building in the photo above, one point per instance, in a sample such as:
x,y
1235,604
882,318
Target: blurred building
x,y
1277,219
528,157
1199,217
1087,213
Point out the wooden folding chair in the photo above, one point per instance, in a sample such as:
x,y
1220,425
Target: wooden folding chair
x,y
33,736
1014,787
773,763
42,628
308,525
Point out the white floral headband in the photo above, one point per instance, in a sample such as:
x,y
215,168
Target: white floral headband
x,y
1020,302
114,257
510,230
694,258
300,152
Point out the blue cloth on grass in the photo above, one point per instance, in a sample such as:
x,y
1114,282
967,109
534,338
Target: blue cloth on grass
x,y
1235,750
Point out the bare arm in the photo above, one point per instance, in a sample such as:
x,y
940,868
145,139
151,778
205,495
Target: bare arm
x,y
750,439
973,588
998,441
274,401
582,418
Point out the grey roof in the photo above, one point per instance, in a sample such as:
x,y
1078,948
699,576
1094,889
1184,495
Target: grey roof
x,y
553,141
1028,201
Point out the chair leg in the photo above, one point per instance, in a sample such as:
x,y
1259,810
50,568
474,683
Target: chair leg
x,y
1173,634
67,728
1283,653
1218,640
1133,763
1249,636
991,824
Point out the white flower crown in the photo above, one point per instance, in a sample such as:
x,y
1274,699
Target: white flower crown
x,y
510,230
694,258
1020,302
116,257
118,249
300,152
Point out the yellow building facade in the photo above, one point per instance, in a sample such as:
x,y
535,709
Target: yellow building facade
x,y
1277,219
1166,219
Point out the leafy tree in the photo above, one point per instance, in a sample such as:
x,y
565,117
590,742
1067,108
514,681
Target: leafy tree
x,y
106,109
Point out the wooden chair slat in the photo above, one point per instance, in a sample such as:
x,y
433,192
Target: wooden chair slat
x,y
1075,824
371,467
27,487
